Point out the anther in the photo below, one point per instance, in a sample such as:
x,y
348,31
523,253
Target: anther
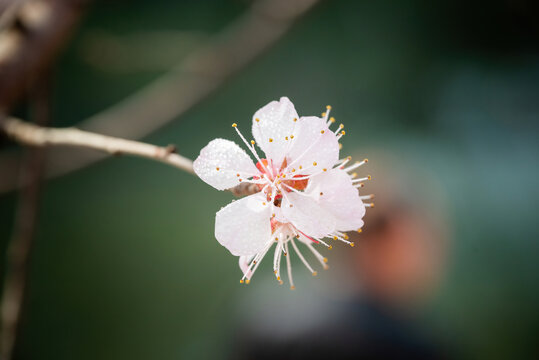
x,y
241,281
300,167
343,132
330,247
340,146
334,238
359,230
314,163
325,260
352,244
293,170
328,107
295,119
240,180
341,126
270,140
252,142
323,114
292,287
257,120
217,168
247,281
322,131
264,203
234,125
354,175
366,160
346,237
276,239
321,193
315,273
238,175
369,177
325,169
332,119
286,138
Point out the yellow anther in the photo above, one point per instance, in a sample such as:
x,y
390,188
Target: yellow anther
x,y
315,273
341,126
346,237
359,230
343,132
252,142
348,158
366,160
295,119
293,170
283,176
257,120
272,215
234,125
292,287
369,177
330,247
314,163
352,244
291,136
322,131
247,281
372,204
237,175
300,167
270,140
323,114
217,168
285,254
325,260
240,180
264,203
276,239
286,138
332,119
328,107
335,238
325,169
354,175
340,146
278,278
241,281
291,205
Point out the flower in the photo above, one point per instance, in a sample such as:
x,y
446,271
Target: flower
x,y
306,193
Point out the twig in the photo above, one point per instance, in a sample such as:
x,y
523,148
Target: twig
x,y
170,96
20,245
33,135
30,134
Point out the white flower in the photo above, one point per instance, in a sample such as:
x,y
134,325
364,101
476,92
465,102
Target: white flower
x,y
306,193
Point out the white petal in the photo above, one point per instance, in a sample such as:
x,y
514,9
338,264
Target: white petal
x,y
307,215
339,197
243,226
221,161
313,143
275,122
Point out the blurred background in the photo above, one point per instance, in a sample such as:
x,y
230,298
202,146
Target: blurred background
x,y
442,97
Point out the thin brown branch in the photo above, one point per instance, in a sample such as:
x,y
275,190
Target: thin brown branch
x,y
178,91
21,242
33,135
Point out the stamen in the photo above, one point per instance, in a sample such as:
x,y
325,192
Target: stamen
x,y
362,179
367,197
356,165
319,256
300,255
360,185
289,266
371,205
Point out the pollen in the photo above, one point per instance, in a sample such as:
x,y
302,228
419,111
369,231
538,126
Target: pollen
x,y
234,125
252,142
343,132
334,238
323,114
293,170
346,237
322,131
257,120
237,175
366,160
300,167
247,281
369,177
292,287
325,169
330,247
328,107
270,140
295,119
286,138
314,163
325,260
241,281
359,230
321,193
332,119
352,244
217,168
291,136
315,273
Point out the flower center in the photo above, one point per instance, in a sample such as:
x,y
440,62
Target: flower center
x,y
277,180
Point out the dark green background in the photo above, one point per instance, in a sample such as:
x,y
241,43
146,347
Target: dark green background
x,y
126,265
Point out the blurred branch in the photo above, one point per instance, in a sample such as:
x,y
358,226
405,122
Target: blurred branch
x,y
20,245
33,135
32,33
171,95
